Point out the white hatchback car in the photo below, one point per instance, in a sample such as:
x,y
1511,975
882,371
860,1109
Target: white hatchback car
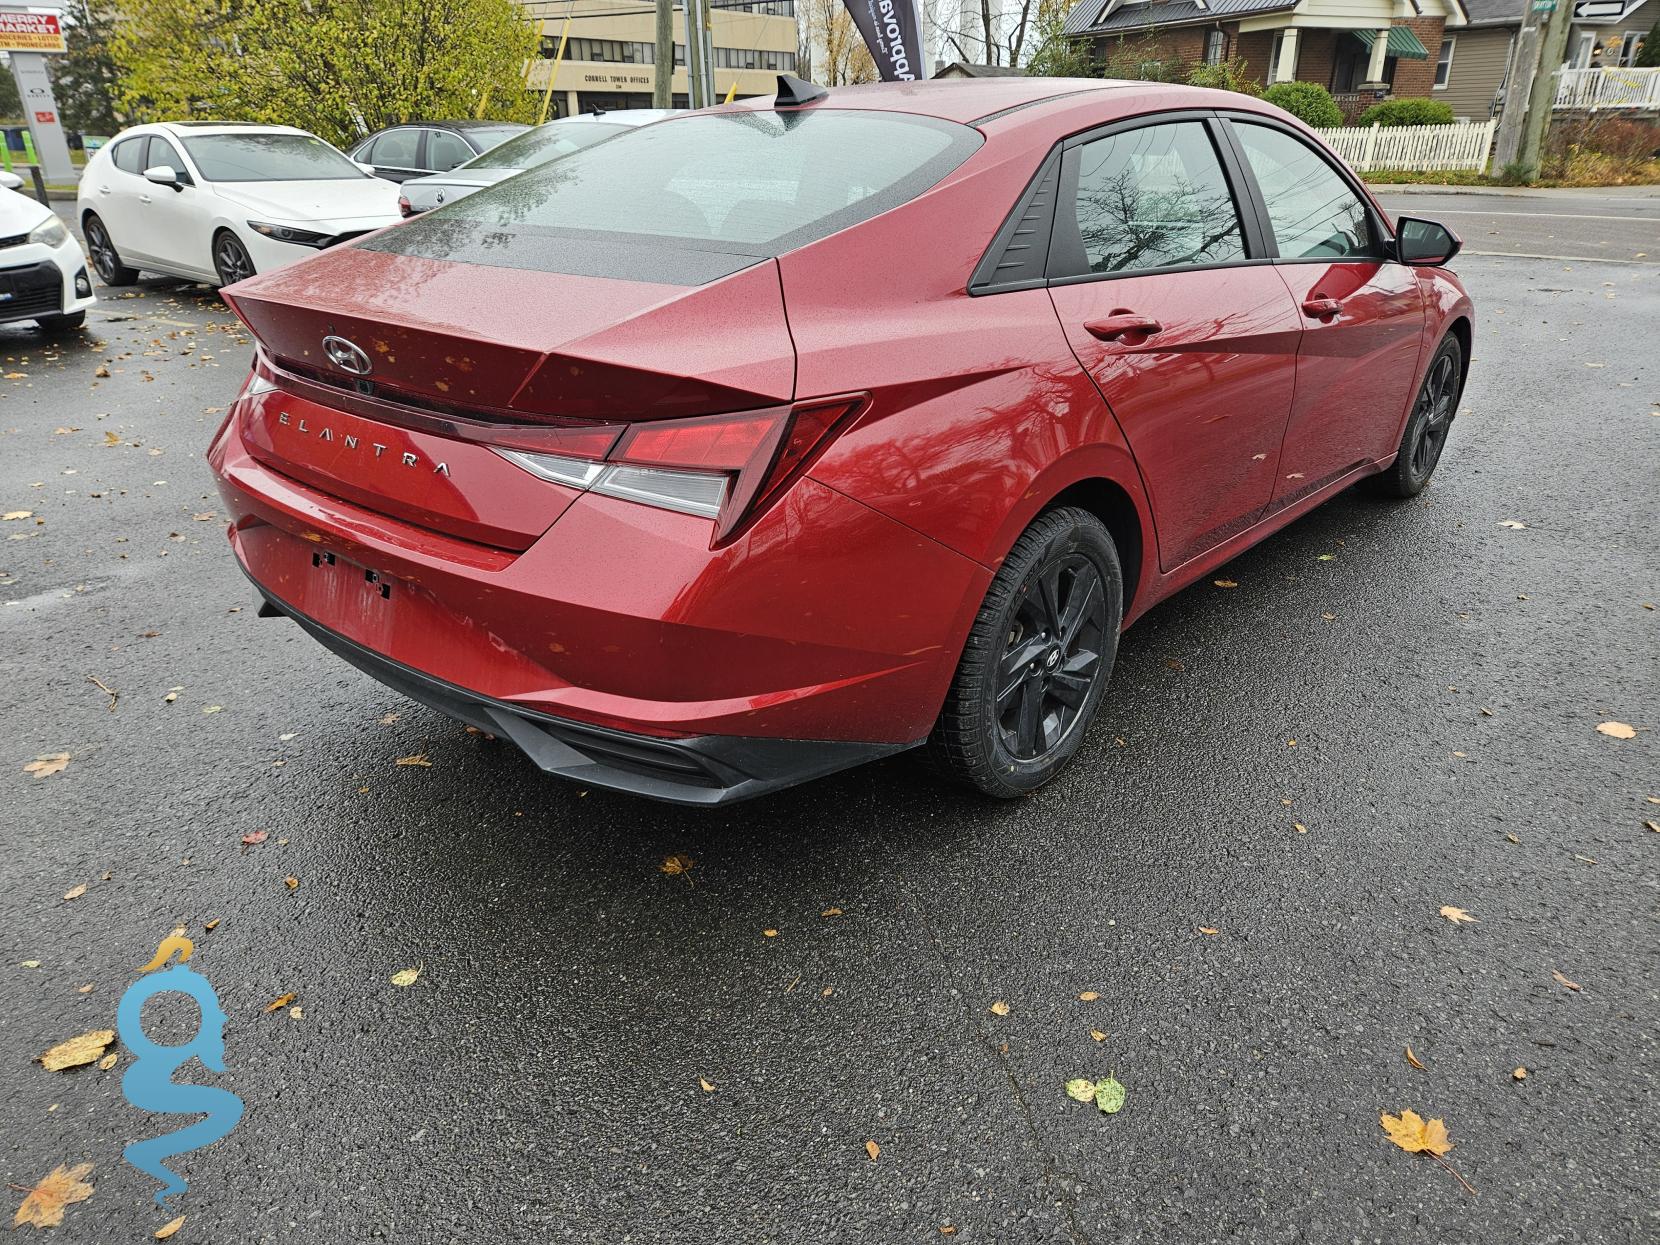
x,y
42,271
218,202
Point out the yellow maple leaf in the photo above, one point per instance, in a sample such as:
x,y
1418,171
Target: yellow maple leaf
x,y
406,976
1000,1008
1414,1134
44,1205
676,865
88,1048
1457,915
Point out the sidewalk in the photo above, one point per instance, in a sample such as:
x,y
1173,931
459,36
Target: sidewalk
x,y
1517,192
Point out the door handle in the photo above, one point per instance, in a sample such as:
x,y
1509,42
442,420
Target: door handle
x,y
144,198
103,190
1121,323
1321,308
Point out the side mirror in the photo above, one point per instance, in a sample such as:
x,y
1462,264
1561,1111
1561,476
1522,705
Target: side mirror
x,y
10,181
1424,242
162,175
367,168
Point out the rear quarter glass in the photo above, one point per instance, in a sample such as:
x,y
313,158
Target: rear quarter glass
x,y
732,188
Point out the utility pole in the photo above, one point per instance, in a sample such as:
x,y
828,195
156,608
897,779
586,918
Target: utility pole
x,y
662,87
1553,46
694,56
1518,86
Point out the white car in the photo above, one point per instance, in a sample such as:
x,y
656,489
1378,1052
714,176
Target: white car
x,y
525,151
218,202
43,274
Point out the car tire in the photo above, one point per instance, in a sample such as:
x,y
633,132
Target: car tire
x,y
1037,659
1426,430
106,260
231,259
61,324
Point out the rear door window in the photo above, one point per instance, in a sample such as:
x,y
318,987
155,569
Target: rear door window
x,y
445,150
1155,197
398,149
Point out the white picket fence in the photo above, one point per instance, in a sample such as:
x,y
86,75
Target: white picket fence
x,y
1438,148
1609,88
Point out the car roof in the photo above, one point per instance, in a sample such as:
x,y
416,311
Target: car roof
x,y
624,116
451,125
217,127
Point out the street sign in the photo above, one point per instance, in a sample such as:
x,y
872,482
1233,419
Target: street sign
x,y
31,32
1544,6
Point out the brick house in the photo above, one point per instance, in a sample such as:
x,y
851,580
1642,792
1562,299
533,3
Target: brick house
x,y
1359,50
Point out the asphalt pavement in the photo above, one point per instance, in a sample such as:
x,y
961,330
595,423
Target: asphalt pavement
x,y
1395,711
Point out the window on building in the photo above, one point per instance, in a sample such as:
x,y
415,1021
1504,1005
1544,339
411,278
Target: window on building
x,y
1155,198
1216,47
1443,63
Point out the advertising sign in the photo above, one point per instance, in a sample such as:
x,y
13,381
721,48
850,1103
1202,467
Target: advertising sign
x,y
31,32
892,30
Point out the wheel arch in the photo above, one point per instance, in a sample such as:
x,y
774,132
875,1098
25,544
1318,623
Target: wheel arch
x,y
1110,502
1462,329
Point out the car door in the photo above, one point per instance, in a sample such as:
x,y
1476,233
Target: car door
x,y
116,196
174,226
1363,313
1189,334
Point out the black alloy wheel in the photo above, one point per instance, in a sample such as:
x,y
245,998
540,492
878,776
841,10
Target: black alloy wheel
x,y
105,259
1427,427
231,259
1037,658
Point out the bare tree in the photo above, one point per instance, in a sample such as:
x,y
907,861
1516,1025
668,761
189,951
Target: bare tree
x,y
835,45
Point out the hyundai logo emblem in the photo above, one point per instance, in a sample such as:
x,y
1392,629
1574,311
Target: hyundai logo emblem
x,y
346,355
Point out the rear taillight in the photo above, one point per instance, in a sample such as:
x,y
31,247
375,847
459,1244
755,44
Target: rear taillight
x,y
722,467
404,208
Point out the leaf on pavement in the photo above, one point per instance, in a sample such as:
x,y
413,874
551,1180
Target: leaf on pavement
x,y
676,866
1520,1074
1413,1060
1109,1096
46,766
167,1229
17,514
405,976
420,758
1088,996
706,1086
1572,985
1000,1008
1206,929
1457,915
1617,730
108,1062
74,892
292,883
1098,1035
1513,524
254,838
88,1048
1414,1134
874,1150
1081,1089
1225,583
44,1206
278,1003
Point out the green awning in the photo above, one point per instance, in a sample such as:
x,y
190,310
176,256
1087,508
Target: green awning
x,y
1403,44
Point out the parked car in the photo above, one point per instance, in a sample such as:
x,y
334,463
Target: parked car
x,y
43,273
400,152
537,146
763,441
218,202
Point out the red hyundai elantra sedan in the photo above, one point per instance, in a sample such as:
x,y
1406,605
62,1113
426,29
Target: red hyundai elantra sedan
x,y
769,439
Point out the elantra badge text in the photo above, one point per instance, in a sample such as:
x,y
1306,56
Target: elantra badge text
x,y
325,433
348,356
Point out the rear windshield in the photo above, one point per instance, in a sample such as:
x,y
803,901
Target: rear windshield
x,y
544,143
269,158
718,184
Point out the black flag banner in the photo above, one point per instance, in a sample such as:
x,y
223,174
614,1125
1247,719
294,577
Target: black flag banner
x,y
892,30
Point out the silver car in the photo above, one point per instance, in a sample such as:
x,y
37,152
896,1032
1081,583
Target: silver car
x,y
526,151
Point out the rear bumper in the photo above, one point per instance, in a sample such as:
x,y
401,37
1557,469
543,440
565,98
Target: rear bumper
x,y
700,770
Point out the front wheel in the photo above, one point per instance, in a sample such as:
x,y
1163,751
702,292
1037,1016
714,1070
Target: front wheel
x,y
231,259
1037,658
105,258
1426,431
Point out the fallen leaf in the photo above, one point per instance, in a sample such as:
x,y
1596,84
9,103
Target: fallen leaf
x,y
947,1229
675,865
212,708
1617,730
1413,1059
1089,996
831,912
292,883
707,1087
1081,1089
1414,1134
1299,827
1225,583
75,892
1000,1008
389,719
88,1048
278,1003
1572,985
1653,825
31,963
1513,524
108,1062
1519,1074
1098,1035
212,925
111,438
1109,1096
874,1150
17,514
769,933
405,977
254,838
44,1206
1457,915
420,758
1205,929
296,1012
167,1229
46,766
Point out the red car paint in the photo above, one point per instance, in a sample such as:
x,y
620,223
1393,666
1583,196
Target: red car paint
x,y
836,609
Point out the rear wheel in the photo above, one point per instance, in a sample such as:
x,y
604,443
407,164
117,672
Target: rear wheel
x,y
231,259
105,258
1426,431
1037,658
